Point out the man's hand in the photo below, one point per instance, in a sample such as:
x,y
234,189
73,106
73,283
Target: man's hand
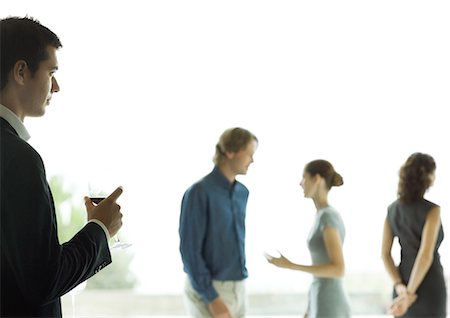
x,y
107,211
218,309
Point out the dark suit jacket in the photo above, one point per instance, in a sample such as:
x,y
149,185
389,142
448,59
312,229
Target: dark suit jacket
x,y
36,270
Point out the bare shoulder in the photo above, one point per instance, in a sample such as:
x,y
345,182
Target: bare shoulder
x,y
434,213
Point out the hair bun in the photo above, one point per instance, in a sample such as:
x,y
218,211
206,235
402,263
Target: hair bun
x,y
337,180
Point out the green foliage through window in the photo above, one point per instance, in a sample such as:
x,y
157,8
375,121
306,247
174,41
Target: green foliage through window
x,y
71,217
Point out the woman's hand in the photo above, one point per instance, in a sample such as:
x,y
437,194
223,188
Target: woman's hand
x,y
278,261
401,304
400,289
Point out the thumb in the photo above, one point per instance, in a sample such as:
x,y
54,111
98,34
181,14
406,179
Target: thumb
x,y
115,194
88,203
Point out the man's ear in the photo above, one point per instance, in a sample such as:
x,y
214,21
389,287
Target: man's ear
x,y
20,71
229,154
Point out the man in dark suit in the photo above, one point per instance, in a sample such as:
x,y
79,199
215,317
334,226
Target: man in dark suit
x,y
36,270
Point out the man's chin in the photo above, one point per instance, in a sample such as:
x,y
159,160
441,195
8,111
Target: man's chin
x,y
38,114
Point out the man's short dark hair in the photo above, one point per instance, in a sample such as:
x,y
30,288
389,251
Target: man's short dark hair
x,y
23,39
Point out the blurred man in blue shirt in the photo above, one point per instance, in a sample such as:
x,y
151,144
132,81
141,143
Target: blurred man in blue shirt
x,y
212,231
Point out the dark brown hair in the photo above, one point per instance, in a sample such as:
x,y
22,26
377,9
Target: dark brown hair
x,y
232,140
23,39
415,177
326,171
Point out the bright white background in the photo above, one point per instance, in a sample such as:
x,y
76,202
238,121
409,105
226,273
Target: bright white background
x,y
147,87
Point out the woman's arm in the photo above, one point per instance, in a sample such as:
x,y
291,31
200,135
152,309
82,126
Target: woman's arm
x,y
424,257
333,245
422,263
386,248
400,304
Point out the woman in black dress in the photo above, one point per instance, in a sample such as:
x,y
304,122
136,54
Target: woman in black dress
x,y
419,285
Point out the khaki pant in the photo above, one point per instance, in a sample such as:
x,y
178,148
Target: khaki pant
x,y
231,292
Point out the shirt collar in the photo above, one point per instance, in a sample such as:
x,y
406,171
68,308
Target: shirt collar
x,y
15,122
221,179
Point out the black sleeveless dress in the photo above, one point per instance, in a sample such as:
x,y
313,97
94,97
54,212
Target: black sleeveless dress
x,y
407,222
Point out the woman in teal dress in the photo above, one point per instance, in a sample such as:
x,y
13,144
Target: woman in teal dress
x,y
327,296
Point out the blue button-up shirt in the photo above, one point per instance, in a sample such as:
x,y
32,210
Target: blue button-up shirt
x,y
212,232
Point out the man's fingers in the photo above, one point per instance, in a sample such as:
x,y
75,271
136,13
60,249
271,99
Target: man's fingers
x,y
88,202
115,195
